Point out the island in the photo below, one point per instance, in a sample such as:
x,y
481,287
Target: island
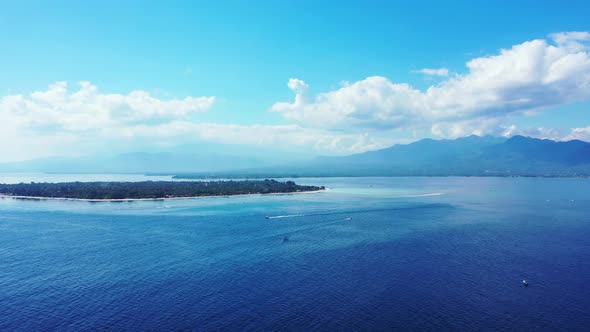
x,y
121,191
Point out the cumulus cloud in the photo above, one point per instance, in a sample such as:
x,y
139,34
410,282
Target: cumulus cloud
x,y
356,117
433,72
373,102
529,76
59,122
56,121
87,108
574,41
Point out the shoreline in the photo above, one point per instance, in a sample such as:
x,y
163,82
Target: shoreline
x,y
120,200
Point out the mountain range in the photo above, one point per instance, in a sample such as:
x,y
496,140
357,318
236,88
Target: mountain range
x,y
472,155
469,156
148,162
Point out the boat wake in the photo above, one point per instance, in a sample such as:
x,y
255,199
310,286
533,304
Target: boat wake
x,y
317,214
286,216
423,195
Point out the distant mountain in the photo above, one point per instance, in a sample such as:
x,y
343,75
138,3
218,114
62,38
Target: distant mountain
x,y
469,156
145,162
426,151
473,155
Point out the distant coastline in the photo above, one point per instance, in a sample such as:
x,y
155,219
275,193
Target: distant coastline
x,y
210,176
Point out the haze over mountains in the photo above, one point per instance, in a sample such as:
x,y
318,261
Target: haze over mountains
x,y
178,159
472,156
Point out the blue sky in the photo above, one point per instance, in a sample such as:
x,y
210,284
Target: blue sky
x,y
235,59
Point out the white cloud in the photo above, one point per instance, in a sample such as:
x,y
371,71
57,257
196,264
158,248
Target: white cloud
x,y
496,128
433,71
582,134
58,122
470,127
285,136
368,114
544,133
373,102
529,76
87,108
574,41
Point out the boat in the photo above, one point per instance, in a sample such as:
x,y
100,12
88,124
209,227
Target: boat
x,y
525,283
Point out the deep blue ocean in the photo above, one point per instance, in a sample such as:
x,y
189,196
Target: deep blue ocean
x,y
419,254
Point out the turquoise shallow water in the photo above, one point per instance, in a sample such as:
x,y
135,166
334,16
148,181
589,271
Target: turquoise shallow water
x,y
418,254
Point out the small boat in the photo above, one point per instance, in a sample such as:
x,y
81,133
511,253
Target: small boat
x,y
347,219
525,283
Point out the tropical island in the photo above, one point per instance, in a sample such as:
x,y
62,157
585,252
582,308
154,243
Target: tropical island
x,y
114,191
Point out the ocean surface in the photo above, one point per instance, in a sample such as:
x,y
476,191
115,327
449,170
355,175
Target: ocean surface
x,y
419,254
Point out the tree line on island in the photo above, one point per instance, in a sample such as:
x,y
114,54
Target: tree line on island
x,y
151,189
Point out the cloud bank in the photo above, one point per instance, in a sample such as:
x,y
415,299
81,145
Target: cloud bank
x,y
368,114
87,108
533,75
59,122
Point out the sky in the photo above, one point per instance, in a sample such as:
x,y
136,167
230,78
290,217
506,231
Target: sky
x,y
303,77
